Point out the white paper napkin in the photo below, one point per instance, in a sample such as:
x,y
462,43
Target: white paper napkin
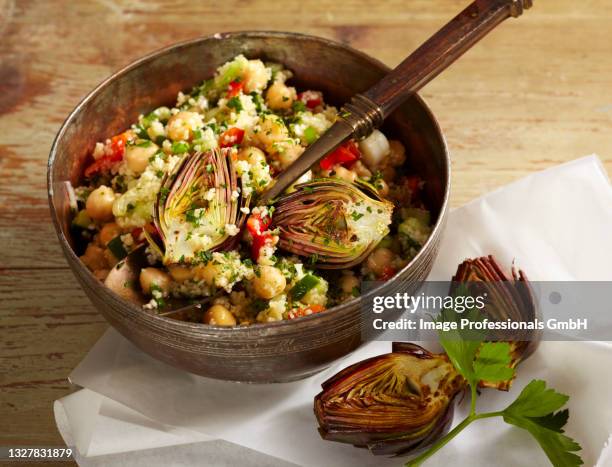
x,y
556,224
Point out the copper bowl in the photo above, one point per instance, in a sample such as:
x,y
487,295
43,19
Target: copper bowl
x,y
280,351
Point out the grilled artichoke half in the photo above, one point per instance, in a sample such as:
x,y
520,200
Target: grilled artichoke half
x,y
198,208
334,222
506,298
397,403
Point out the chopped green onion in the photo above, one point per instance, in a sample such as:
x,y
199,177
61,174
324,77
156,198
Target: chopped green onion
x,y
303,286
180,147
234,103
310,135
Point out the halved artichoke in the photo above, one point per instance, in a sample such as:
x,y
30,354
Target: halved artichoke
x,y
506,298
198,208
334,222
397,403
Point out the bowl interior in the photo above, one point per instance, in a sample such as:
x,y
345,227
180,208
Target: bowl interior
x,y
278,351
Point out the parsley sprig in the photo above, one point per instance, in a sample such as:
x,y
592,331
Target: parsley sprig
x,y
536,409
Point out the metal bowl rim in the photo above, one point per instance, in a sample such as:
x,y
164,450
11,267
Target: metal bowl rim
x,y
257,327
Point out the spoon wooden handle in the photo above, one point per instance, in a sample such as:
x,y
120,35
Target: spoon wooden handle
x,y
441,50
367,111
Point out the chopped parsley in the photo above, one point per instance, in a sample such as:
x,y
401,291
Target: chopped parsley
x,y
163,193
310,135
298,106
180,147
234,103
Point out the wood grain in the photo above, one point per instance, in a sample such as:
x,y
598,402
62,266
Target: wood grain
x,y
533,94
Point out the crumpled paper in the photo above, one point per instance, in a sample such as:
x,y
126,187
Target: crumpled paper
x,y
555,224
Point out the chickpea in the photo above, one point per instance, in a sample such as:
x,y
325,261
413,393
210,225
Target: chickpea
x,y
290,153
348,282
269,283
280,96
379,259
99,205
94,258
252,155
344,174
137,157
108,232
181,273
154,276
218,315
180,127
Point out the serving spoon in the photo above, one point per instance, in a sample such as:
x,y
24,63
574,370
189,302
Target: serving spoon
x,y
367,111
357,119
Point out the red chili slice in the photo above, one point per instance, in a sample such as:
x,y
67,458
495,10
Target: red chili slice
x,y
257,224
344,155
105,163
305,311
234,88
231,137
258,243
311,99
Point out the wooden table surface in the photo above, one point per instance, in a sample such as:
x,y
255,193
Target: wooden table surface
x,y
535,93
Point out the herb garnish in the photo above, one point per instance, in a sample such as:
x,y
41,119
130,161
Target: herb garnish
x,y
536,409
234,103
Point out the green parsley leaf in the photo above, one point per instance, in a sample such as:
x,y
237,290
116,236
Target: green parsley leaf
x,y
533,410
234,103
493,362
204,256
461,345
310,135
258,101
537,401
298,106
180,147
